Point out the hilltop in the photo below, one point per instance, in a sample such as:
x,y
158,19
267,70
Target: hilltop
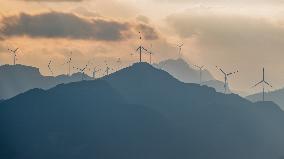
x,y
138,112
185,72
16,79
275,96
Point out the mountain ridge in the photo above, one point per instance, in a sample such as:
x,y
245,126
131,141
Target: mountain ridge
x,y
139,112
17,79
276,96
184,72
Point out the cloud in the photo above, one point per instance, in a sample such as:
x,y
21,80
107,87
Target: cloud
x,y
148,32
221,1
2,48
232,41
63,25
143,19
85,12
52,0
232,31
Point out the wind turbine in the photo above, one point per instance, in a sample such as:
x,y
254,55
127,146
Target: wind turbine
x,y
179,48
150,54
200,72
263,82
69,61
118,63
226,75
82,70
107,70
95,72
49,68
140,48
14,52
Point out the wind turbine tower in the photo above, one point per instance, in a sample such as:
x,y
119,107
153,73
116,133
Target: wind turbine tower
x,y
226,75
95,72
49,68
263,82
200,72
107,70
118,63
179,48
82,70
69,61
140,48
14,52
150,54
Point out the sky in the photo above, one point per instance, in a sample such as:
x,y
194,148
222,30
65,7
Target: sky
x,y
243,35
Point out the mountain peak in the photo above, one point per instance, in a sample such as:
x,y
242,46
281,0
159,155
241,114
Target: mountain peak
x,y
179,61
143,106
183,71
18,68
16,79
142,65
142,72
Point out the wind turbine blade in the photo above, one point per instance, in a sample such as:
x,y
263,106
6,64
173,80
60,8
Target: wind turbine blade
x,y
263,73
232,73
76,68
138,48
267,83
257,84
222,71
144,49
197,66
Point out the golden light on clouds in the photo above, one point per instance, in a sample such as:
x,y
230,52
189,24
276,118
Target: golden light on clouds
x,y
246,35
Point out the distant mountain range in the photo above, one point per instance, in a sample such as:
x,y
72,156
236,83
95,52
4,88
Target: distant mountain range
x,y
16,79
138,112
275,96
20,78
184,72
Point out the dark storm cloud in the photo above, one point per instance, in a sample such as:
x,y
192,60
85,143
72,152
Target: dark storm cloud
x,y
148,32
63,25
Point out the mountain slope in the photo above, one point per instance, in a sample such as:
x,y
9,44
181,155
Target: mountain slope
x,y
275,96
19,78
139,112
217,85
181,70
203,116
80,120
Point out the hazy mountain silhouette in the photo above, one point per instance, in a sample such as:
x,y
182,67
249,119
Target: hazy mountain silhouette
x,y
217,85
180,69
138,112
81,120
19,78
275,96
184,72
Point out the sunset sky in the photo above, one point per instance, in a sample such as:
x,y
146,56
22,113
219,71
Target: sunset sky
x,y
233,34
